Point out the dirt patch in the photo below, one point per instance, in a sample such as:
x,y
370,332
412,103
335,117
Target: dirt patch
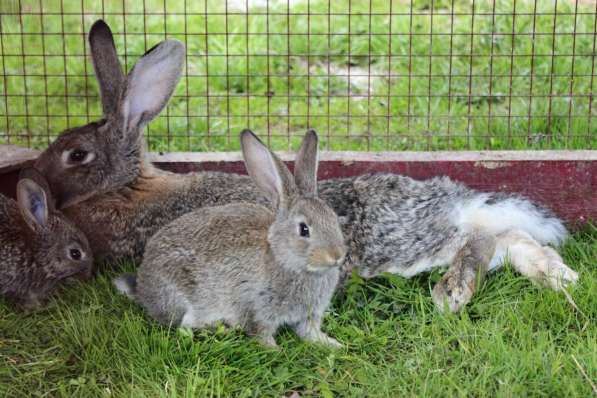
x,y
241,5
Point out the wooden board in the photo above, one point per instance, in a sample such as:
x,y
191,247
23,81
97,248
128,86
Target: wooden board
x,y
13,157
565,181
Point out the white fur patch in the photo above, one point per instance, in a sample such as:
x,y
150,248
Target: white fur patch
x,y
508,214
122,285
208,317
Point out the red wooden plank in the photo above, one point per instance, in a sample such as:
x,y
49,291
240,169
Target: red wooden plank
x,y
568,187
566,182
8,183
13,157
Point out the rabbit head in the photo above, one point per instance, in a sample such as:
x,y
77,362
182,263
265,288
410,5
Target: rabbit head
x,y
306,234
57,247
108,154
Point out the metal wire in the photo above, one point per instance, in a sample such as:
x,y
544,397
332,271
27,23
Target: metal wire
x,y
368,75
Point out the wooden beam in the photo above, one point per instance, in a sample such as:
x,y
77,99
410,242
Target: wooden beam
x,y
14,157
406,156
565,181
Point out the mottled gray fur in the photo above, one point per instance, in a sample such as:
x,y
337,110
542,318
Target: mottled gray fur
x,y
35,244
243,264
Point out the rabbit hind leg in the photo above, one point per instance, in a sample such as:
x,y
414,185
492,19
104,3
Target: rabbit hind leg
x,y
541,264
465,273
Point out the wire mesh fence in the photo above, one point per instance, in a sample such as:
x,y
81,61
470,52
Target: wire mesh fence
x,y
368,75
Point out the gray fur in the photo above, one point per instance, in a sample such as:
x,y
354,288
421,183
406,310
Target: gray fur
x,y
393,221
35,241
244,264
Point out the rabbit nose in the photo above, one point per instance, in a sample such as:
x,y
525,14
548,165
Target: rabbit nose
x,y
336,255
339,256
327,257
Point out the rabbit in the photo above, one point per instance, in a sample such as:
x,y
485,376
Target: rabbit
x,y
245,264
98,172
392,223
38,246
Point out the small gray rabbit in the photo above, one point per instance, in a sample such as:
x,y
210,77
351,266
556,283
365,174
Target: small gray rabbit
x,y
244,264
38,246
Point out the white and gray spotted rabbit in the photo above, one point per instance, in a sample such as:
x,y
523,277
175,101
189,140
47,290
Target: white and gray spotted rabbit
x,y
38,246
244,264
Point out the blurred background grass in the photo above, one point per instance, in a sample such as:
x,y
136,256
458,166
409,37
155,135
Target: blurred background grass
x,y
361,91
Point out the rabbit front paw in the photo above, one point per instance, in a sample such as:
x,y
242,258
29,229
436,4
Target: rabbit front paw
x,y
329,341
267,340
309,330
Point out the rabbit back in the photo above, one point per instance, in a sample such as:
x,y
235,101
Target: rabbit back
x,y
119,224
205,261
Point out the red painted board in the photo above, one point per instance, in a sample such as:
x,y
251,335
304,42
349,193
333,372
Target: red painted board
x,y
8,183
569,188
565,181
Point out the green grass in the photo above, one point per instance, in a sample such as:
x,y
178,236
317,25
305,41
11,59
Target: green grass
x,y
513,340
387,119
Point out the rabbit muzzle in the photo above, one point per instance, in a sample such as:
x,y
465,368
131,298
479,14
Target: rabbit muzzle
x,y
325,258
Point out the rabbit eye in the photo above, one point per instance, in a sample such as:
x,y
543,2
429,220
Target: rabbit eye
x,y
304,230
75,254
78,155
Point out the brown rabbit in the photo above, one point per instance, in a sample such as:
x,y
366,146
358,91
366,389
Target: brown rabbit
x,y
38,246
392,223
105,159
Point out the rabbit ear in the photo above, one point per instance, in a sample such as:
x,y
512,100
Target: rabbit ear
x,y
107,68
151,83
267,170
34,198
305,166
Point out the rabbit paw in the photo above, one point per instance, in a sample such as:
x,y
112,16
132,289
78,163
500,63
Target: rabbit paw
x,y
330,341
555,274
310,331
317,336
454,292
31,303
267,340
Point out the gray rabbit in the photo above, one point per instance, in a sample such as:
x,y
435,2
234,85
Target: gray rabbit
x,y
391,223
244,264
38,246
